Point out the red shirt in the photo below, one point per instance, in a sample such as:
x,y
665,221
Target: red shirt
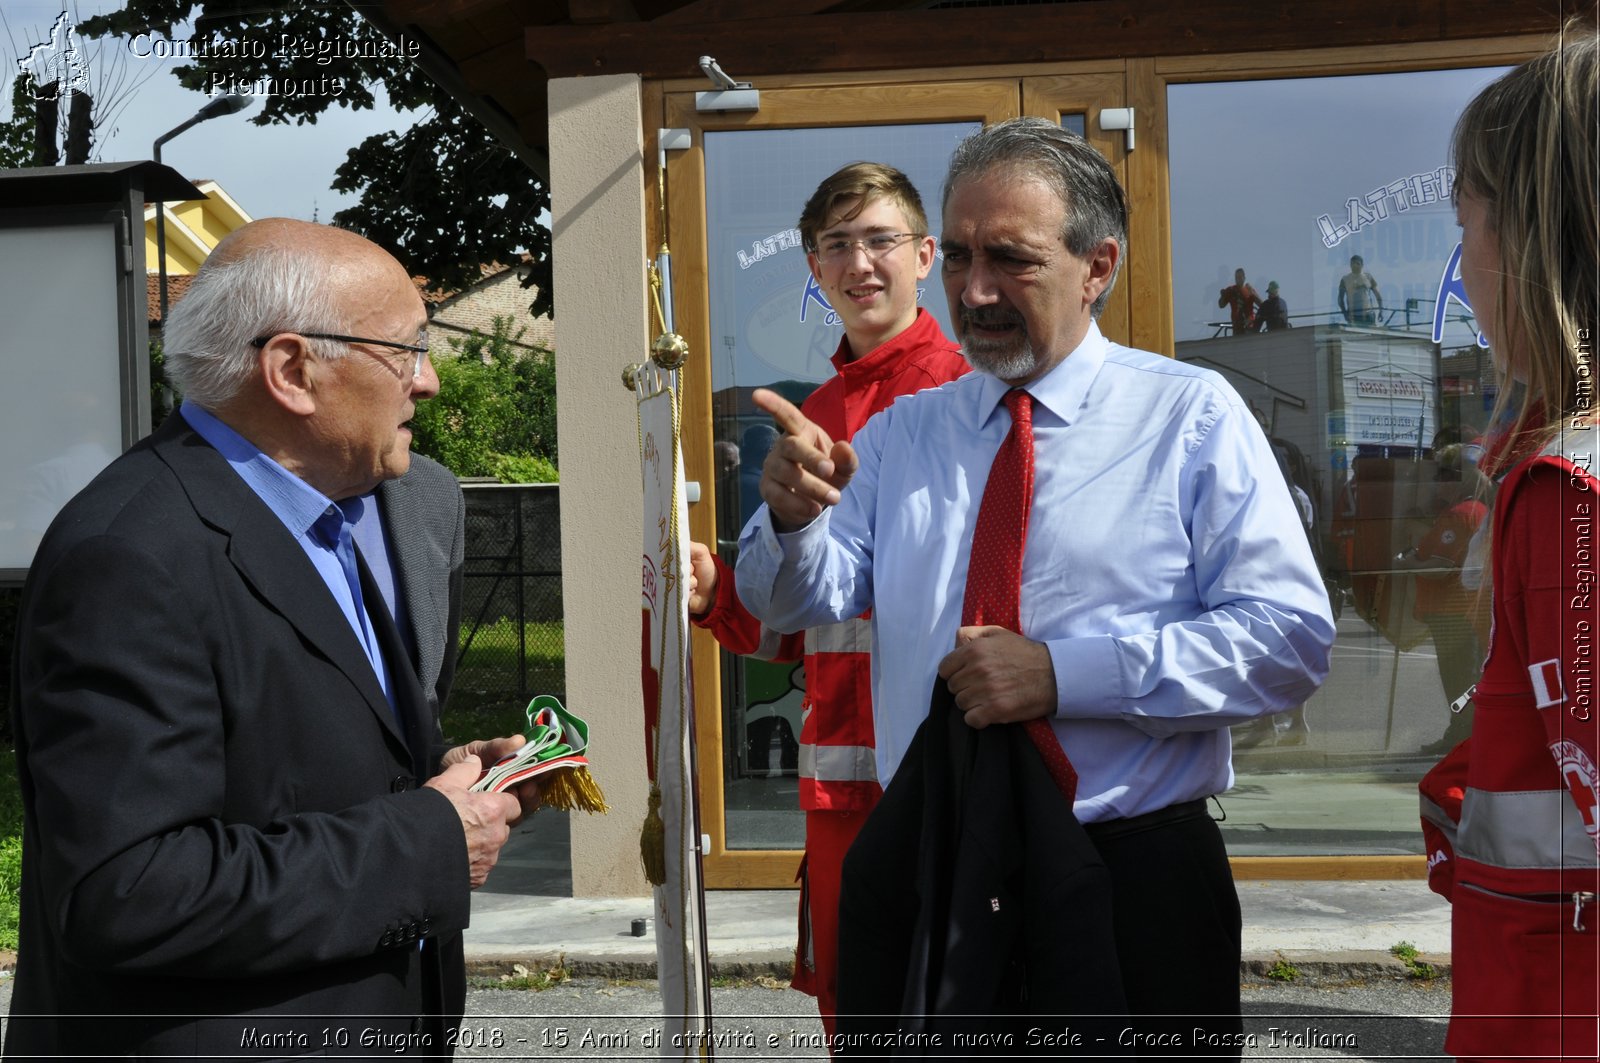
x,y
1241,300
838,705
1441,593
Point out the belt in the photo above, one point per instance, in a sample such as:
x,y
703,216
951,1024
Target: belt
x,y
1161,817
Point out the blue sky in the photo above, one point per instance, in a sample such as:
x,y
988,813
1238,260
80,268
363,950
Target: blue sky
x,y
1255,164
268,170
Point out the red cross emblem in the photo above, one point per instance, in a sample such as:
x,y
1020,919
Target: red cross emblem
x,y
1578,772
1583,796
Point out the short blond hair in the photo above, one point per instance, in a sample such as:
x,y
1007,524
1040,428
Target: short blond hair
x,y
860,184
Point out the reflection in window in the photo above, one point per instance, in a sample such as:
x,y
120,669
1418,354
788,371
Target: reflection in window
x,y
772,328
1311,228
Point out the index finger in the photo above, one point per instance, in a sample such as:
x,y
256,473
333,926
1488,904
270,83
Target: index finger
x,y
786,413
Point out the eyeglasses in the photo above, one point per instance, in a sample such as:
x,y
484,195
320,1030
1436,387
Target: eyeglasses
x,y
416,368
877,245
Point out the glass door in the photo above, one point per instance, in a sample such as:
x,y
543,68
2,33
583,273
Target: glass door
x,y
747,305
1075,100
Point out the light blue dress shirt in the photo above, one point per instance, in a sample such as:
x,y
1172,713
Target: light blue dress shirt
x,y
316,522
1165,567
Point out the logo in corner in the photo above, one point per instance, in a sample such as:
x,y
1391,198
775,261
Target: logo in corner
x,y
54,65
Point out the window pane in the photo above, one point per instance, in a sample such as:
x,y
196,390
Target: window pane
x,y
1287,182
772,328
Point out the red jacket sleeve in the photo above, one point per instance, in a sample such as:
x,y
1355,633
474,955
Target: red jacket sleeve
x,y
737,631
1547,572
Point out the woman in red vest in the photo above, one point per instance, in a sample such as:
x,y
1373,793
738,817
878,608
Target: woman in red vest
x,y
1522,795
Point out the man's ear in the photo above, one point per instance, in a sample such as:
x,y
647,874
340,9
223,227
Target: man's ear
x,y
1102,267
291,373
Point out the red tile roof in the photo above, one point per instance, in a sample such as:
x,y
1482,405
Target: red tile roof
x,y
177,284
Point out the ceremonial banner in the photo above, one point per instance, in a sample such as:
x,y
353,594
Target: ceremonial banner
x,y
670,839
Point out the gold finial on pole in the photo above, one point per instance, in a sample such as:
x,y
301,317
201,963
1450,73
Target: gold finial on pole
x,y
669,351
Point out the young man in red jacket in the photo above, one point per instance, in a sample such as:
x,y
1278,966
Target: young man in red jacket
x,y
867,242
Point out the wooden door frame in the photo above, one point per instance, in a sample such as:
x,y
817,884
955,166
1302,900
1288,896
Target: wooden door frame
x,y
1144,289
794,107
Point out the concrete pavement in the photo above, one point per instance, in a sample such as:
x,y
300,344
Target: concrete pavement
x,y
1323,929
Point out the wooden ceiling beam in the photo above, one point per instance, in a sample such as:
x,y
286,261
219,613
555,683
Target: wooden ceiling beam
x,y
434,12
598,12
491,72
741,10
830,43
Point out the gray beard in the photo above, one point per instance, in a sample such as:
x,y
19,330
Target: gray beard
x,y
1003,361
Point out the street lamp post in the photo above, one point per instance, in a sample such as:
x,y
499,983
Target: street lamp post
x,y
221,105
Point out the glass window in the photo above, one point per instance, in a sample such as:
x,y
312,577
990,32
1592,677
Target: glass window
x,y
1311,229
771,327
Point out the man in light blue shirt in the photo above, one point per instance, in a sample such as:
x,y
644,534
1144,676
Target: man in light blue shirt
x,y
1167,590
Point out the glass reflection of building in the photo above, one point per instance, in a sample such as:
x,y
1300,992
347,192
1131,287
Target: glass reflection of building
x,y
1358,399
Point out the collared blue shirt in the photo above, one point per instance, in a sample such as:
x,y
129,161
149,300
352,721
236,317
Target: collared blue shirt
x,y
316,522
1165,567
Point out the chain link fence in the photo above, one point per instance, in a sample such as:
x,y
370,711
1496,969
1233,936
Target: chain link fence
x,y
511,644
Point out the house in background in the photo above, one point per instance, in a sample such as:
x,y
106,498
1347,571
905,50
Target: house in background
x,y
193,229
498,294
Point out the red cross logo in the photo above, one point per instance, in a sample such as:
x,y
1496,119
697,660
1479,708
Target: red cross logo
x,y
1583,796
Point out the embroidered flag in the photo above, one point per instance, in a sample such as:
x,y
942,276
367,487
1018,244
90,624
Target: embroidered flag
x,y
669,842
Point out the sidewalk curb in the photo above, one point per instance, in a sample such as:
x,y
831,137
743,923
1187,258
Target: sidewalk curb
x,y
1313,967
778,963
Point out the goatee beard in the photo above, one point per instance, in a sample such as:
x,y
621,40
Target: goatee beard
x,y
1006,359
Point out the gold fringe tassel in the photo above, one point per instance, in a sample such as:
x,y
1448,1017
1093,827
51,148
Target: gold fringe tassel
x,y
572,788
653,840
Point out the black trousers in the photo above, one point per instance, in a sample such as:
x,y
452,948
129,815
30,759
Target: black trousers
x,y
1177,926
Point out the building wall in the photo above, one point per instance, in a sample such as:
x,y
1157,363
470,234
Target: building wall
x,y
204,220
598,219
181,259
194,227
498,295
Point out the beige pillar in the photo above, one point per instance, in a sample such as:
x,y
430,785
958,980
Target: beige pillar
x,y
597,208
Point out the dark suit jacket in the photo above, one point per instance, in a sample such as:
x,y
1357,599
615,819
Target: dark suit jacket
x,y
222,813
973,902
424,514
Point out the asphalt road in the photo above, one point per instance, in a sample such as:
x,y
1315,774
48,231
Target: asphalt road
x,y
598,1020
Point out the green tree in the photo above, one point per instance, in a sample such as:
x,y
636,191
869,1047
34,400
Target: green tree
x,y
495,411
16,133
444,196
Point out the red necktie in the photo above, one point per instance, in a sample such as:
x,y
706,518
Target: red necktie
x,y
994,573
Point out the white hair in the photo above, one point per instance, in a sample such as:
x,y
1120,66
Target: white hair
x,y
261,292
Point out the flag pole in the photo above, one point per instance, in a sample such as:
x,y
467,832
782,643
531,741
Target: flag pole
x,y
670,841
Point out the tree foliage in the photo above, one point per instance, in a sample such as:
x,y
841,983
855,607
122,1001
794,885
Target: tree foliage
x,y
16,133
443,195
495,414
